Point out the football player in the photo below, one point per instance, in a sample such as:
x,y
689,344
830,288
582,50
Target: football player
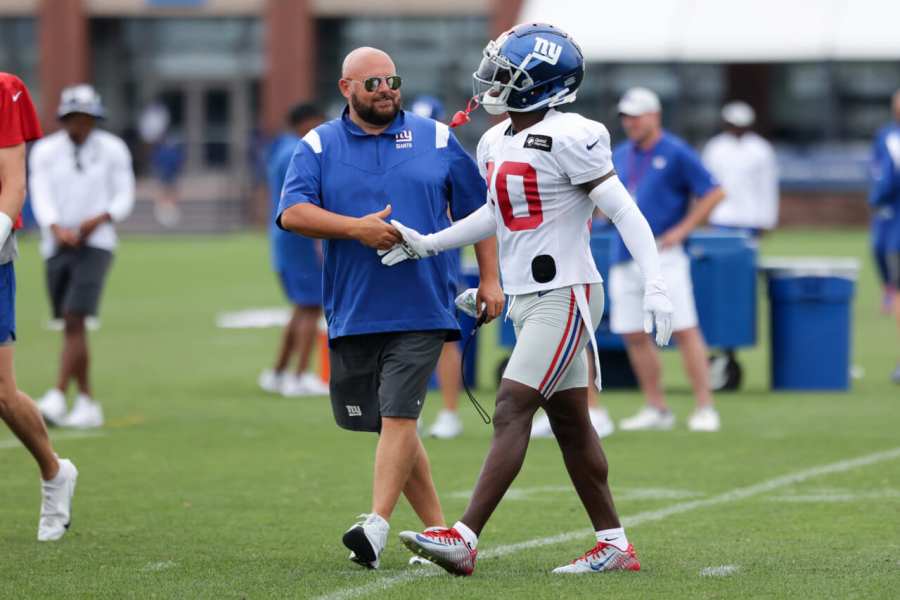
x,y
546,172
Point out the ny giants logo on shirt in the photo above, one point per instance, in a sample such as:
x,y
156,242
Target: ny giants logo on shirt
x,y
546,50
403,139
354,411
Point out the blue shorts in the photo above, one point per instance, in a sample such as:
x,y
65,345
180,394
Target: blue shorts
x,y
7,304
298,262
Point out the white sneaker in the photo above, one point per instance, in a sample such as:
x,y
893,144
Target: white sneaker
x,y
86,414
53,406
366,540
447,426
314,384
167,214
704,419
271,381
56,507
541,427
601,422
294,386
602,558
649,418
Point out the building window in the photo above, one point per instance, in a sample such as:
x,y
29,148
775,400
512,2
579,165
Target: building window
x,y
19,52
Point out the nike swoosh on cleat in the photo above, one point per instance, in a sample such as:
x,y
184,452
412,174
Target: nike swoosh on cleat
x,y
591,146
600,566
425,540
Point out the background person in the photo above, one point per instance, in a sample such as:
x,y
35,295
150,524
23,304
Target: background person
x,y
386,327
81,184
744,163
18,125
297,260
884,196
663,174
447,424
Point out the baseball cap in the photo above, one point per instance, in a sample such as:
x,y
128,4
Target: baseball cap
x,y
81,98
738,113
639,101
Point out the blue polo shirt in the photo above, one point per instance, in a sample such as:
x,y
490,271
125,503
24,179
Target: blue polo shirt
x,y
662,180
418,167
884,195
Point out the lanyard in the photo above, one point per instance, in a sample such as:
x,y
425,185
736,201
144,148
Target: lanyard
x,y
637,168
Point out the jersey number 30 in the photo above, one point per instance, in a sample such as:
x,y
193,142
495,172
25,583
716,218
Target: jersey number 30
x,y
532,198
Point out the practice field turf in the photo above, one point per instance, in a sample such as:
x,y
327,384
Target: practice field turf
x,y
201,486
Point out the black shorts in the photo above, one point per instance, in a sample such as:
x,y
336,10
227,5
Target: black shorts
x,y
75,279
381,375
892,258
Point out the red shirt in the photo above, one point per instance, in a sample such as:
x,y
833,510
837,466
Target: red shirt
x,y
18,117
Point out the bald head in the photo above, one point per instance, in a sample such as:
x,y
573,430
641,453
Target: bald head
x,y
367,62
367,77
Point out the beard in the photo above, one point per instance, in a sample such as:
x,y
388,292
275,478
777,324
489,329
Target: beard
x,y
372,115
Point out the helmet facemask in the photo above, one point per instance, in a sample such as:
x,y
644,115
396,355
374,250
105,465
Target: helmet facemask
x,y
497,77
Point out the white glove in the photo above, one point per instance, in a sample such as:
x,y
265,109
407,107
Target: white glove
x,y
466,302
414,246
658,310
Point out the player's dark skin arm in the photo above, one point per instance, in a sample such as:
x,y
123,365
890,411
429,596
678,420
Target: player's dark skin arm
x,y
371,230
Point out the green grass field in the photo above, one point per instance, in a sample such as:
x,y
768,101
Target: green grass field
x,y
202,487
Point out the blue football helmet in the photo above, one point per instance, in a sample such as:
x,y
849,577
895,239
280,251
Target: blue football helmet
x,y
530,67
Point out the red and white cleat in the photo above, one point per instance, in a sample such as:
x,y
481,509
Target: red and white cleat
x,y
443,547
603,557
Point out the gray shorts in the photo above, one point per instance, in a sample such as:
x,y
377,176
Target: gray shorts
x,y
381,375
550,339
75,279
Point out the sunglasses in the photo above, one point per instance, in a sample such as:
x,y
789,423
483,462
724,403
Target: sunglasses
x,y
373,83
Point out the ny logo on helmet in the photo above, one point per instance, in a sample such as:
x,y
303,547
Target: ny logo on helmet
x,y
546,50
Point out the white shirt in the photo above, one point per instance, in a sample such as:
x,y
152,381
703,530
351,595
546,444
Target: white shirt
x,y
64,195
533,179
748,172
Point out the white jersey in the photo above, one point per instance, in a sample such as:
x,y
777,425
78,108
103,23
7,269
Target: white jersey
x,y
543,217
70,184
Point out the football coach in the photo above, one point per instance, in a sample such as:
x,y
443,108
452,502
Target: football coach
x,y
386,326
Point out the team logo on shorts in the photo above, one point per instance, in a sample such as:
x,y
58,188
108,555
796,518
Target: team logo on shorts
x,y
354,411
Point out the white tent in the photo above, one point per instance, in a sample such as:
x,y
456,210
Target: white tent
x,y
725,30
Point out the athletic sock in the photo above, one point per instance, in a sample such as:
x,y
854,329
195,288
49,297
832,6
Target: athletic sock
x,y
467,534
614,537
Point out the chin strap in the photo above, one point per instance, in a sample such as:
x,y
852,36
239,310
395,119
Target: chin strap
x,y
462,116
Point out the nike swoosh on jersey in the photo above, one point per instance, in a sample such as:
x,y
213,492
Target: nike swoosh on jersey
x,y
591,146
16,96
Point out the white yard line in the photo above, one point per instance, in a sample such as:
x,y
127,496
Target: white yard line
x,y
529,492
385,583
66,435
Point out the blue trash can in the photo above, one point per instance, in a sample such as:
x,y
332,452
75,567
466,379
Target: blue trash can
x,y
810,308
723,272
